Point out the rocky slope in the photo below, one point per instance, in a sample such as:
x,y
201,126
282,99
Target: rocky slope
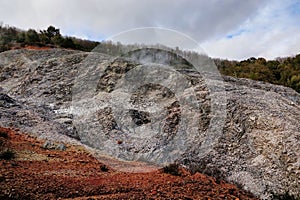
x,y
70,96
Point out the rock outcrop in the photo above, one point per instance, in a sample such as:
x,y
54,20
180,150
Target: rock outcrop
x,y
103,102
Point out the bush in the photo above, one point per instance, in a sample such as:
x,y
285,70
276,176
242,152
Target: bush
x,y
68,43
285,196
104,168
204,166
7,155
3,134
31,37
172,169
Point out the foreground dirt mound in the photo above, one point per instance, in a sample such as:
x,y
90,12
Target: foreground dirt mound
x,y
38,172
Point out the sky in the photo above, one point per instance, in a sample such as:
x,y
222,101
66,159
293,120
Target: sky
x,y
229,29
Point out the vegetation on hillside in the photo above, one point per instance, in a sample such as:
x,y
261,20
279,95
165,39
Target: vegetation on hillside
x,y
14,38
282,71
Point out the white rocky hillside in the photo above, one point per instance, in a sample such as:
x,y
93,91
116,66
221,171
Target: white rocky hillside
x,y
74,94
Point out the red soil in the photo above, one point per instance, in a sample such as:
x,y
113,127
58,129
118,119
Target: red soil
x,y
31,47
36,48
37,173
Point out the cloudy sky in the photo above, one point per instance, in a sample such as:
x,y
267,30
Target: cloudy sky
x,y
233,29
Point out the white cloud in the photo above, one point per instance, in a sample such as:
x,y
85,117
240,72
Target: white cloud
x,y
200,19
258,28
273,32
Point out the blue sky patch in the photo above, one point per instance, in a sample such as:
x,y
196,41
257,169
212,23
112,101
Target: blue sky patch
x,y
294,9
236,33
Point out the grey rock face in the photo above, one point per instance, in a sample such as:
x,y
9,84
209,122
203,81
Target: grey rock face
x,y
51,145
259,148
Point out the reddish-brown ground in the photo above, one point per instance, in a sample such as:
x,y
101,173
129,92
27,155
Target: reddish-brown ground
x,y
31,47
36,47
37,173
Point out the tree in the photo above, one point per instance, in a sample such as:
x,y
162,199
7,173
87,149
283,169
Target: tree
x,y
32,37
57,40
44,38
51,36
52,31
295,82
68,43
21,36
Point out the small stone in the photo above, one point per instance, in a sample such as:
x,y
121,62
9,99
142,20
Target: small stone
x,y
119,142
252,118
61,147
48,145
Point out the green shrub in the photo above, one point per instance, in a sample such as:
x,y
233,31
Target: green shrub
x,y
31,37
